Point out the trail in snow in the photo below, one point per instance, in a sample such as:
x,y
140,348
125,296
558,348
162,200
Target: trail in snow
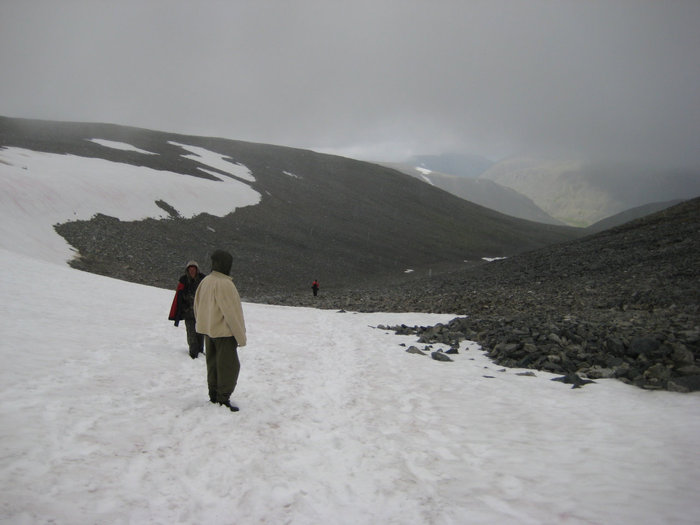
x,y
105,418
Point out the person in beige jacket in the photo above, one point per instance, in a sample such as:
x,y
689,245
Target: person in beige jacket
x,y
219,316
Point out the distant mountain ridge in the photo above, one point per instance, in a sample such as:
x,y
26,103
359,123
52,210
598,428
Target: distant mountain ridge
x,y
457,164
581,194
482,192
322,217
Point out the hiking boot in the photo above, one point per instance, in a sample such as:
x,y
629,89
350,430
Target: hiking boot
x,y
228,405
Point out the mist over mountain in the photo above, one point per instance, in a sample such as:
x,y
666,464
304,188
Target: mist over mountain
x,y
481,191
452,163
556,191
581,194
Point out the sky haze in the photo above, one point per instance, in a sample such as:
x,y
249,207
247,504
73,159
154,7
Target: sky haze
x,y
382,80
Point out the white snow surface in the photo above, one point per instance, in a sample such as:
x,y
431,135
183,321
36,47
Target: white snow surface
x,y
105,418
216,160
38,190
121,146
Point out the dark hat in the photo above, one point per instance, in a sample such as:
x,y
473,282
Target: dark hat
x,y
221,262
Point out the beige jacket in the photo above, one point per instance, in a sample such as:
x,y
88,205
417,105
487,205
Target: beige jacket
x,y
217,308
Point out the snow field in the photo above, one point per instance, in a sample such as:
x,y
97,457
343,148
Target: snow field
x,y
106,419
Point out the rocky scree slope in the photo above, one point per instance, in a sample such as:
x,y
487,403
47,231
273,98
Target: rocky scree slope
x,y
623,303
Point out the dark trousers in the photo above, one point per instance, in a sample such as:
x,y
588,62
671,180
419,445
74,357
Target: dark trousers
x,y
223,367
195,341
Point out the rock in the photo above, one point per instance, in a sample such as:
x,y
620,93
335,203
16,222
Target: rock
x,y
684,384
690,336
440,356
506,348
554,337
615,345
596,372
642,345
690,370
656,376
573,379
414,350
682,356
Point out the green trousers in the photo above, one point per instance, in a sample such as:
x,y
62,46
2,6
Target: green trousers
x,y
223,367
195,341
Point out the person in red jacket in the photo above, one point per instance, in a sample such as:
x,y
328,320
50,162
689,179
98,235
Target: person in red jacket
x,y
315,287
182,307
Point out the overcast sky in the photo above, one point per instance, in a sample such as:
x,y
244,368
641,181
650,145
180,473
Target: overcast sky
x,y
372,79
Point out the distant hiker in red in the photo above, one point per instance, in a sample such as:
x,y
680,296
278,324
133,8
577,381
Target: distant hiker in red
x,y
315,287
182,309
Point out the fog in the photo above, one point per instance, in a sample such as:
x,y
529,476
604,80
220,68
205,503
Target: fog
x,y
382,80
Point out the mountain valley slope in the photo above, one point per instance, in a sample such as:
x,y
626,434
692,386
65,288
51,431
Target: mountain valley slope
x,y
322,217
620,303
481,191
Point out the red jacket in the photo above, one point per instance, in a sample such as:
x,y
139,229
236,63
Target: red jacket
x,y
176,307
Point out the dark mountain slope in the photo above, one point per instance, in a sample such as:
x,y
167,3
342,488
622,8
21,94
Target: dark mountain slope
x,y
630,215
650,263
332,218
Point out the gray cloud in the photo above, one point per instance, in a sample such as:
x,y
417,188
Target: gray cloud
x,y
380,79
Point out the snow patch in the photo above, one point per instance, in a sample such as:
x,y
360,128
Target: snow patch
x,y
40,189
424,175
217,161
120,146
